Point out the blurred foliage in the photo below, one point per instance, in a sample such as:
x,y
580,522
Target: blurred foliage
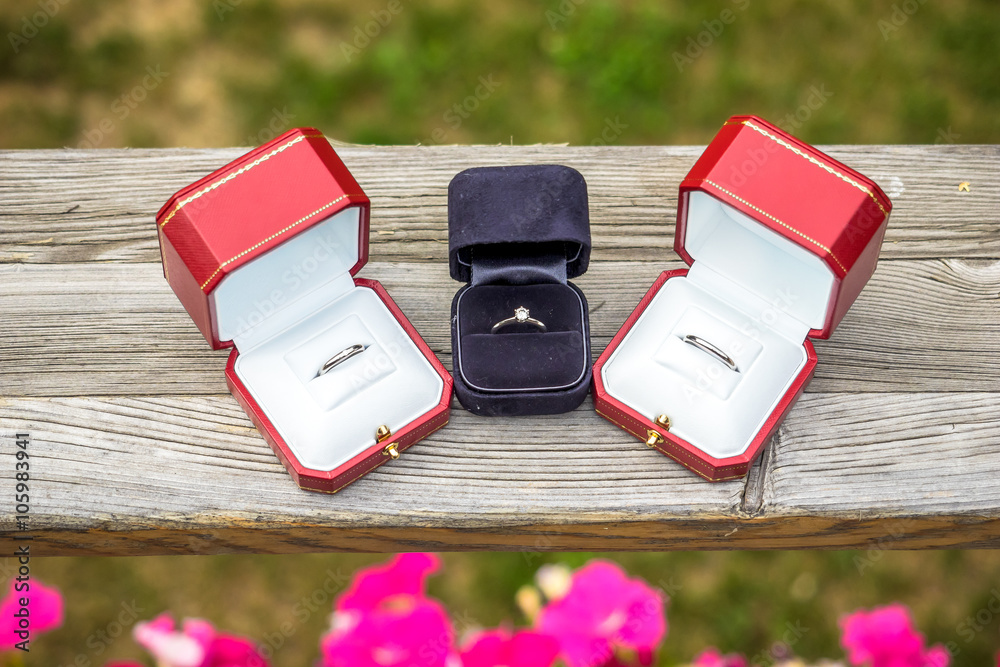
x,y
396,71
235,72
737,601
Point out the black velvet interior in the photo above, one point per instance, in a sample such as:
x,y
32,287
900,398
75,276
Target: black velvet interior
x,y
517,263
519,356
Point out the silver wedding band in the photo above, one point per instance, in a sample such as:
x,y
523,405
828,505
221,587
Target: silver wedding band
x,y
705,346
340,358
521,316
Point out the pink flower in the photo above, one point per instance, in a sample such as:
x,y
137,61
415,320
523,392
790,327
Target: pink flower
x,y
603,612
44,611
711,657
384,619
197,645
499,648
404,575
885,637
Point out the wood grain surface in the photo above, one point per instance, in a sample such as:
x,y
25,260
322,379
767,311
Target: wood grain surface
x,y
137,448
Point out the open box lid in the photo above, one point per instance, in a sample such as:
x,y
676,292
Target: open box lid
x,y
521,224
785,221
265,230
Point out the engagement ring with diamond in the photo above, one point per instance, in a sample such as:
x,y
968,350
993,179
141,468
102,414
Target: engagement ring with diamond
x,y
521,316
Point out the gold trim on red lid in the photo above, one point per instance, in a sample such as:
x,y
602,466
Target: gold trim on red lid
x,y
782,142
275,235
771,217
241,170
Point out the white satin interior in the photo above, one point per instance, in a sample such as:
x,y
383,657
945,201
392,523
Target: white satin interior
x,y
296,306
314,258
751,293
766,263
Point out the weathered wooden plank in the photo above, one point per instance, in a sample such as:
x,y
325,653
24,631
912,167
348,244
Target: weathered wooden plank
x,y
144,475
82,206
887,455
94,329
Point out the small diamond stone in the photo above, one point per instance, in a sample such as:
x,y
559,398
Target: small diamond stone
x,y
521,314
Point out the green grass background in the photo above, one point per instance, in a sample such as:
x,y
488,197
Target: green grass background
x,y
563,68
575,72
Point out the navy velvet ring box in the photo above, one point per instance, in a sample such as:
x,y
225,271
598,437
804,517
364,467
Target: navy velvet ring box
x,y
516,236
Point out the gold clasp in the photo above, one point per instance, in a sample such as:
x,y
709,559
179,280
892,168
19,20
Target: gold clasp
x,y
382,433
653,438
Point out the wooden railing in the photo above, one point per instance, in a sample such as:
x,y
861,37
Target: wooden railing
x,y
137,447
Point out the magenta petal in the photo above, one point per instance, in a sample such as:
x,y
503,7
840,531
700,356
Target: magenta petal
x,y
45,611
405,574
164,623
485,650
937,656
199,630
499,648
885,637
604,609
645,657
647,623
417,633
533,649
231,651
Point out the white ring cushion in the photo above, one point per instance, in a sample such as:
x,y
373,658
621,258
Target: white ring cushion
x,y
750,292
292,309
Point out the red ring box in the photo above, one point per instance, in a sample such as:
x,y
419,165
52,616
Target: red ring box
x,y
263,254
780,239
